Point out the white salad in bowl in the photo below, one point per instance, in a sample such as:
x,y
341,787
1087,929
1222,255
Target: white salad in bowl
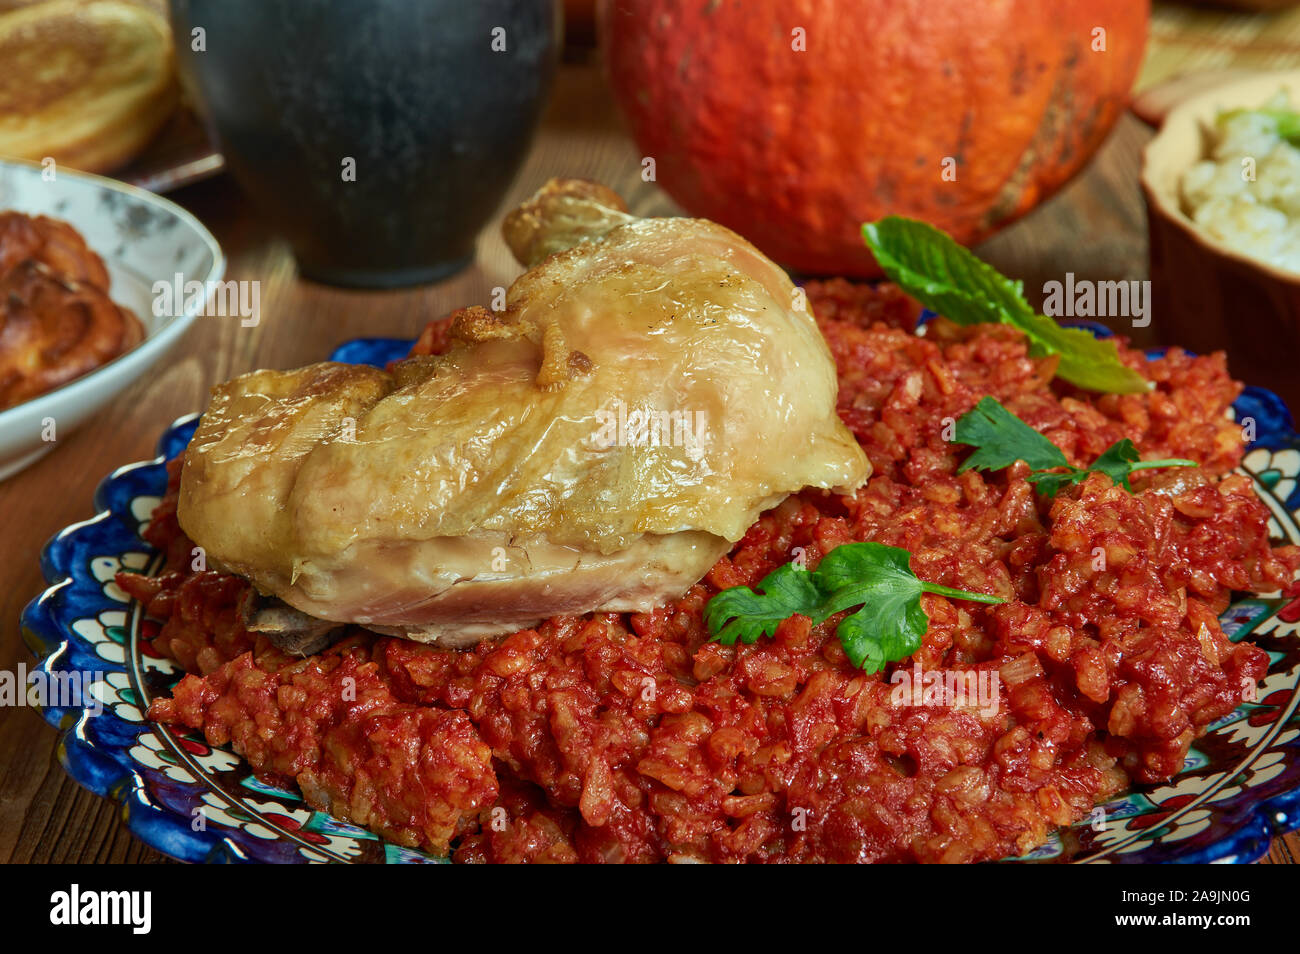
x,y
1246,191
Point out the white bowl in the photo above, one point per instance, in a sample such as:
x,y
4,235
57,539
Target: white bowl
x,y
142,239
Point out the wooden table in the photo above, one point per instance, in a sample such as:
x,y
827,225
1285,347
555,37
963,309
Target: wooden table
x,y
44,815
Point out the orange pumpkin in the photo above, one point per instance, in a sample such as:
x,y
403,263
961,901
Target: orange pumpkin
x,y
794,121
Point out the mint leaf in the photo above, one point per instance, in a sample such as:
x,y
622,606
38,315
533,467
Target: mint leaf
x,y
947,278
878,578
1086,361
943,275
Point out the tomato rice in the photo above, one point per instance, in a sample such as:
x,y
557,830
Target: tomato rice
x,y
632,738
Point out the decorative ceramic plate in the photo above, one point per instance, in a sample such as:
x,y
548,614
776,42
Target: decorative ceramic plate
x,y
1239,788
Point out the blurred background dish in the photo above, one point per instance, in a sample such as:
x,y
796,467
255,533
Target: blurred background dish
x,y
85,84
91,84
377,137
1203,283
142,239
58,320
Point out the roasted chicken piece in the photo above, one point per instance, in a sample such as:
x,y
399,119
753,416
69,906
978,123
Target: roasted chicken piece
x,y
651,387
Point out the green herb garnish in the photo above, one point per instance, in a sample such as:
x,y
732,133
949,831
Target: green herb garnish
x,y
1000,439
947,278
876,577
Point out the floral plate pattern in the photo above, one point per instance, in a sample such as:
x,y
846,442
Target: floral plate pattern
x,y
1239,788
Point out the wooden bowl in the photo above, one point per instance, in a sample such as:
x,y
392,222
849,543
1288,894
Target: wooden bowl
x,y
1206,295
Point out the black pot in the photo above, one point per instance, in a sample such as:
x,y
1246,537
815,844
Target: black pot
x,y
379,136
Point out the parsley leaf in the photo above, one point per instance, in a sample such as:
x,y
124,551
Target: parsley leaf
x,y
875,577
947,278
1001,439
1118,460
787,590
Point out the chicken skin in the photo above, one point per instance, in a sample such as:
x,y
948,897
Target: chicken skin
x,y
651,387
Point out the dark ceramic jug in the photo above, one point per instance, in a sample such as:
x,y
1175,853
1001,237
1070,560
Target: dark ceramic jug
x,y
379,136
